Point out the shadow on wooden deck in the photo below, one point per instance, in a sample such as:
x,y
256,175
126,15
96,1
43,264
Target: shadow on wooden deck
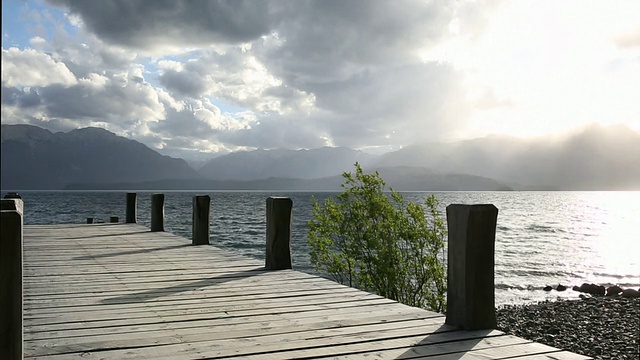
x,y
130,252
151,294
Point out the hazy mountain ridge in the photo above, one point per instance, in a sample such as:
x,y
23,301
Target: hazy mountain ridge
x,y
400,178
283,163
34,158
597,158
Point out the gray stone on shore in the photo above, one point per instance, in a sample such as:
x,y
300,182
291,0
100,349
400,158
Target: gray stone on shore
x,y
614,290
600,327
592,289
631,293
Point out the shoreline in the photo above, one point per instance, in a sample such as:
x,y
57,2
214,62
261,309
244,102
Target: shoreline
x,y
599,327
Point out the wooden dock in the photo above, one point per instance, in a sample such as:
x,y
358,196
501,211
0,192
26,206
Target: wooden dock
x,y
119,291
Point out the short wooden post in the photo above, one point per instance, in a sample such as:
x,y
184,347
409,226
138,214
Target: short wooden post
x,y
12,195
114,219
278,253
131,217
157,212
470,271
201,206
89,220
11,311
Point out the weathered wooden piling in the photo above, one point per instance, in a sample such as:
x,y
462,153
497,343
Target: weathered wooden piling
x,y
470,271
278,252
12,195
157,212
11,310
131,217
201,206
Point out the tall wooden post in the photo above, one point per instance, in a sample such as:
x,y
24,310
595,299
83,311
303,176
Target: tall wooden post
x,y
11,217
157,212
278,253
201,219
470,271
131,217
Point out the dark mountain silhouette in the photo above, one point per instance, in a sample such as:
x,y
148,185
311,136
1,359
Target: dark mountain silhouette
x,y
597,158
34,158
282,163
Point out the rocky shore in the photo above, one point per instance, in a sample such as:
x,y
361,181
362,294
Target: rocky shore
x,y
599,327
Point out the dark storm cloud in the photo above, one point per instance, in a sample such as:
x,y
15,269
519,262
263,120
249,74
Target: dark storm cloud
x,y
24,98
329,40
144,23
183,83
112,101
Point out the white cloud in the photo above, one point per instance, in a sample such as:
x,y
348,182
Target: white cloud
x,y
32,68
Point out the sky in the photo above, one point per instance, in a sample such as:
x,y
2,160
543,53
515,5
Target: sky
x,y
196,79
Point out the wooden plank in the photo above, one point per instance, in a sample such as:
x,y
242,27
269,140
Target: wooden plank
x,y
193,308
556,355
293,332
203,289
242,278
171,317
118,291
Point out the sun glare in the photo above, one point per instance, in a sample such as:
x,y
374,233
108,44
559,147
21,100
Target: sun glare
x,y
549,67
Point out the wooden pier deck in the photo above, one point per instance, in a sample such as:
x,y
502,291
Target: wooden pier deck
x,y
119,291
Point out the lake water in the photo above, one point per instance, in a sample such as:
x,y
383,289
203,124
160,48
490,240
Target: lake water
x,y
542,238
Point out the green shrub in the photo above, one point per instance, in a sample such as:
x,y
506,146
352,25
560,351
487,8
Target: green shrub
x,y
378,242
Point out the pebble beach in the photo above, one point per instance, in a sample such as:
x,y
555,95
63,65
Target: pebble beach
x,y
598,327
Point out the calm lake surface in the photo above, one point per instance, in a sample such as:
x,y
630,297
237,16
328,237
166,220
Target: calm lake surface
x,y
543,238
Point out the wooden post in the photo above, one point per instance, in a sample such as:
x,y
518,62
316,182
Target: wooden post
x,y
470,271
278,254
12,195
157,212
131,217
201,219
11,311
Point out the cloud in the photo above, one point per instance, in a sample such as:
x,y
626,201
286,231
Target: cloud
x,y
189,76
31,68
153,24
629,40
488,100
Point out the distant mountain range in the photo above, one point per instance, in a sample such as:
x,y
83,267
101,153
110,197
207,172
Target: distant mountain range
x,y
400,178
35,158
598,158
283,163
